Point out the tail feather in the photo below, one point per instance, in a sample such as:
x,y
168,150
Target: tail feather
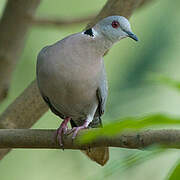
x,y
100,154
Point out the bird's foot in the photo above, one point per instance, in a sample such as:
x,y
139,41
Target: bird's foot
x,y
75,130
62,130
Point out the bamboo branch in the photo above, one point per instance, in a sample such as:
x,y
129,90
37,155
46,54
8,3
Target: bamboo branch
x,y
34,138
29,107
13,30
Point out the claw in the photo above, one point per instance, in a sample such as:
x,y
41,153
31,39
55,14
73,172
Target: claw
x,y
75,130
62,130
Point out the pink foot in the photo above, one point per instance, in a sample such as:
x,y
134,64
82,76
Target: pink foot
x,y
62,130
75,130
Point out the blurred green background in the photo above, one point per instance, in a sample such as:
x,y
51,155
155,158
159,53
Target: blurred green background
x,y
129,66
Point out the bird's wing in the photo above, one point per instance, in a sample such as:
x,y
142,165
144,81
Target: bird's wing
x,y
102,93
40,58
52,108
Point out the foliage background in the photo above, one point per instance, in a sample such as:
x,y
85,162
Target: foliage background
x,y
132,92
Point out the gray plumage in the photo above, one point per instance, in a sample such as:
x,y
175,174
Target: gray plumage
x,y
71,74
72,79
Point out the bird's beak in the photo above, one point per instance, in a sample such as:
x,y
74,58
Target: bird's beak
x,y
132,36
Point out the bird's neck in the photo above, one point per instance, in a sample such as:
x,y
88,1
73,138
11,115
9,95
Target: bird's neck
x,y
101,43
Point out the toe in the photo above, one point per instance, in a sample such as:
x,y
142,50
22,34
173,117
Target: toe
x,y
65,130
71,130
75,132
59,136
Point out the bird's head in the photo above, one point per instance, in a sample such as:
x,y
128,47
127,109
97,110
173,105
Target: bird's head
x,y
114,28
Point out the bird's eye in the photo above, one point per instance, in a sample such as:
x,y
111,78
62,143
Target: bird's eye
x,y
115,24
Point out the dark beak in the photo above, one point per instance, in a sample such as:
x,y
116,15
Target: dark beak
x,y
132,36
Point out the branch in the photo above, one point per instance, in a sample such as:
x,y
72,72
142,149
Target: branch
x,y
118,7
34,138
29,107
25,110
45,21
13,29
113,7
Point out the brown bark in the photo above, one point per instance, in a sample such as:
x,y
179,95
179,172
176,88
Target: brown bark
x,y
34,138
13,30
23,112
118,7
46,21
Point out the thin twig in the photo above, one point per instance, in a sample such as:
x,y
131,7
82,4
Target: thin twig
x,y
46,21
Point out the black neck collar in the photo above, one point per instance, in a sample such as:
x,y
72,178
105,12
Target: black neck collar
x,y
89,32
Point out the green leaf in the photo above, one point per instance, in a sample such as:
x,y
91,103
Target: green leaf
x,y
131,123
175,172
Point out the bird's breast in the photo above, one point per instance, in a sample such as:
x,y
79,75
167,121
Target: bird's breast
x,y
70,76
74,86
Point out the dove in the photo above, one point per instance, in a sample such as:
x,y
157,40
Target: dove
x,y
72,80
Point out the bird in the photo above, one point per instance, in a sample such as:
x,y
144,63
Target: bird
x,y
72,79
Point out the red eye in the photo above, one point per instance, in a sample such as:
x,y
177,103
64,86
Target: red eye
x,y
115,24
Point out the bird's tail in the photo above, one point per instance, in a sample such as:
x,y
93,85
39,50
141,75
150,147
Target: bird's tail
x,y
98,154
